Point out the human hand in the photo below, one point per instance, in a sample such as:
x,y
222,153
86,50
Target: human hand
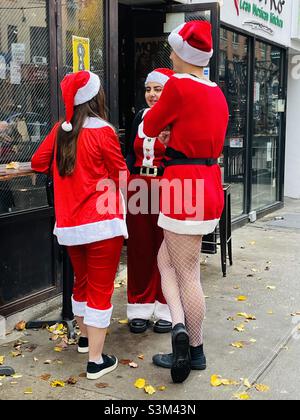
x,y
164,137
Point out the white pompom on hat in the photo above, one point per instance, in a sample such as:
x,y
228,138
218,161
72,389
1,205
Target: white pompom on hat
x,y
160,76
193,43
78,88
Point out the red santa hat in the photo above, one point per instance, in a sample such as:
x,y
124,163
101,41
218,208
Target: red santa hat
x,y
193,43
160,76
78,88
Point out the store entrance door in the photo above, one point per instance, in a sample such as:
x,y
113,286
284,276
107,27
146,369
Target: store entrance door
x,y
143,34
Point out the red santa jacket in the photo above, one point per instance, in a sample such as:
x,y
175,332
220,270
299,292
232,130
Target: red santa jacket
x,y
198,113
81,215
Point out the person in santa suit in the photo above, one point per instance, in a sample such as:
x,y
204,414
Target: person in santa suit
x,y
144,159
197,112
90,220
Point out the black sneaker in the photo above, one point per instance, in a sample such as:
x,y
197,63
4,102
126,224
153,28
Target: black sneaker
x,y
95,371
166,360
181,365
83,345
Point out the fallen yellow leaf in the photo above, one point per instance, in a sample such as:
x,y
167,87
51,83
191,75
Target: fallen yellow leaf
x,y
123,321
215,381
240,328
15,353
16,376
242,396
247,316
162,388
270,313
141,357
58,349
149,390
140,383
227,382
2,358
252,243
28,391
57,384
262,388
241,298
247,383
253,340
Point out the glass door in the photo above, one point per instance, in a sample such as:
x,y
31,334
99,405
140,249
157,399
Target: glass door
x,y
151,48
267,125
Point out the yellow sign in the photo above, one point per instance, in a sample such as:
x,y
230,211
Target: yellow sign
x,y
81,54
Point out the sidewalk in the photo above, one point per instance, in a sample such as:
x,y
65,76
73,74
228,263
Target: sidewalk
x,y
266,271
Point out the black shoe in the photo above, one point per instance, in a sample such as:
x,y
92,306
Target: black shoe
x,y
181,364
166,360
95,371
138,326
161,326
83,345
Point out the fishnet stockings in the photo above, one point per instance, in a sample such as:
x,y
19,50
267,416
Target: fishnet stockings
x,y
179,265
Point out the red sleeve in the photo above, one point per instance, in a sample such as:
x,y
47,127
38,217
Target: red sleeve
x,y
41,160
113,158
164,113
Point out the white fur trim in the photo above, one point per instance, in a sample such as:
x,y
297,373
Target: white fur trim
x,y
67,127
162,311
157,77
186,52
90,233
187,227
141,133
140,310
94,123
97,318
196,79
89,91
78,308
149,144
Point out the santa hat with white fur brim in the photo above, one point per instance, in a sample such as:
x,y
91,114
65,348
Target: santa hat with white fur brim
x,y
160,76
78,88
192,42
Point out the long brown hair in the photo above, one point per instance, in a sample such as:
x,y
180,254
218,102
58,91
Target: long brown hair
x,y
67,142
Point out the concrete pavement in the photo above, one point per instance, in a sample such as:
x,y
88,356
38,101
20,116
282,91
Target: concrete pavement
x,y
266,271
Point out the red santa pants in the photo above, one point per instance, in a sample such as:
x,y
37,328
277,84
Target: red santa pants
x,y
145,296
95,266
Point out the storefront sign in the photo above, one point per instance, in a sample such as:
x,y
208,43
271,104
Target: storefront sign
x,y
81,54
18,53
268,18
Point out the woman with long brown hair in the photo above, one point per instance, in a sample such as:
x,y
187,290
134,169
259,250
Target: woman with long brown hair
x,y
88,172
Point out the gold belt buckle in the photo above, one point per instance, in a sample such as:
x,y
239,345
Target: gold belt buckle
x,y
145,171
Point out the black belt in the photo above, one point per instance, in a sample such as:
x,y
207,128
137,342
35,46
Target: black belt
x,y
147,171
179,158
206,162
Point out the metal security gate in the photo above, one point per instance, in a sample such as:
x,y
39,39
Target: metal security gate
x,y
36,51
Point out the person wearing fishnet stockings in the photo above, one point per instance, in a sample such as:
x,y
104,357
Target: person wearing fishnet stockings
x,y
196,111
179,265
